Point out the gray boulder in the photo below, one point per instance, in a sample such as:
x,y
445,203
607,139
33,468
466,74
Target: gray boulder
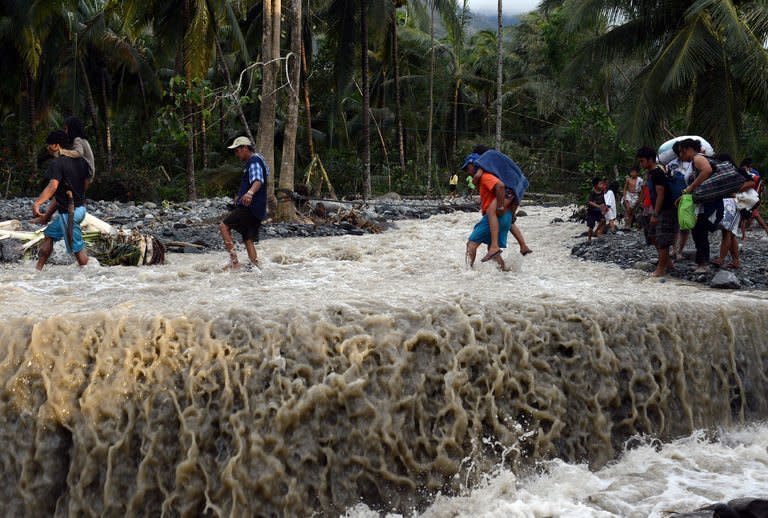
x,y
725,280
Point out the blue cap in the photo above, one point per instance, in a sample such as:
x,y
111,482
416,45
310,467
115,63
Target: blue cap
x,y
471,159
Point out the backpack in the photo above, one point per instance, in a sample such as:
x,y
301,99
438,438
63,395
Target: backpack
x,y
676,184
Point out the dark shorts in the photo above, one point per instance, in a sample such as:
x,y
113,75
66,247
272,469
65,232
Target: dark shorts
x,y
663,233
244,221
452,188
594,216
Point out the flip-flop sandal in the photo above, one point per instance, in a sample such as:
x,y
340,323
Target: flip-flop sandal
x,y
488,257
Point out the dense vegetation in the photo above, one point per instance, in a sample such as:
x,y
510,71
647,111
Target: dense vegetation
x,y
164,85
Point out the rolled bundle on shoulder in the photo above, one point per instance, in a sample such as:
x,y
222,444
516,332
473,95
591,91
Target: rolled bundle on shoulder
x,y
506,170
666,155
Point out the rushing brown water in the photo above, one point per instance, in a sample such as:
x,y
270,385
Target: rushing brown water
x,y
171,397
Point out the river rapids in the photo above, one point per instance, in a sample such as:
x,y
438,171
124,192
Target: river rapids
x,y
377,374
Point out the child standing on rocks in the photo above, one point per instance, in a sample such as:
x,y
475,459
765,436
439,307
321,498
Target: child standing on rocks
x,y
595,210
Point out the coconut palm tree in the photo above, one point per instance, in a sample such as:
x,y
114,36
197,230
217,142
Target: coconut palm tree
x,y
34,38
499,73
704,61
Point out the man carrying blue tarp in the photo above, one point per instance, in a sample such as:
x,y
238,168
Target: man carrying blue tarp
x,y
500,193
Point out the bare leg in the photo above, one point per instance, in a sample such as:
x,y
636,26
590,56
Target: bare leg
x,y
761,222
471,253
518,235
500,262
226,233
743,226
661,268
629,211
725,246
600,228
493,224
682,239
251,249
734,250
44,252
81,257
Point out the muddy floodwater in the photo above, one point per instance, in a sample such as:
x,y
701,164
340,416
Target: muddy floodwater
x,y
376,373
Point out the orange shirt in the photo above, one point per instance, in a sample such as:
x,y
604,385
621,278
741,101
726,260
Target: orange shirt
x,y
487,190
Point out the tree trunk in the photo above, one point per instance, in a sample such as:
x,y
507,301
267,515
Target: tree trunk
x,y
454,134
189,120
285,208
32,122
316,185
266,137
431,93
366,100
90,104
499,75
203,136
107,126
398,99
307,104
191,183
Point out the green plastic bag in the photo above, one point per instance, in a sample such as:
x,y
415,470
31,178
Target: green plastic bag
x,y
686,212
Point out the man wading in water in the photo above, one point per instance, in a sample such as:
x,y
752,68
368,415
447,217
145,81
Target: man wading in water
x,y
250,202
67,180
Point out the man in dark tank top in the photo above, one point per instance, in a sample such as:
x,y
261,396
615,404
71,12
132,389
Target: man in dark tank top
x,y
68,179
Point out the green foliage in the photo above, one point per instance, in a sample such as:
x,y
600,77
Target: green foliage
x,y
585,84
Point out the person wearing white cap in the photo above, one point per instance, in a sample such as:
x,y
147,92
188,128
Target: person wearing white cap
x,y
250,203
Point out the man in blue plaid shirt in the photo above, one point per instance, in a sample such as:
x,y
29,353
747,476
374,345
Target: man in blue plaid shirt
x,y
250,203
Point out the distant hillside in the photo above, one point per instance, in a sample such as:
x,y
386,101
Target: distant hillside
x,y
488,22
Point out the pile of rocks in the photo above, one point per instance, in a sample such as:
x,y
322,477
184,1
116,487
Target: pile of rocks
x,y
628,250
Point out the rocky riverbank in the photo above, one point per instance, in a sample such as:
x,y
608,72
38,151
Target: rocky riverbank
x,y
197,222
628,249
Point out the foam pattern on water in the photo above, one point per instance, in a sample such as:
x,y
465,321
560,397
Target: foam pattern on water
x,y
294,412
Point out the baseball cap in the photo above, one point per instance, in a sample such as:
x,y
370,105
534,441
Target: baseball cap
x,y
470,159
241,141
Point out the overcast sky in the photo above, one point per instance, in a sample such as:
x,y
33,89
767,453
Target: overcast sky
x,y
509,6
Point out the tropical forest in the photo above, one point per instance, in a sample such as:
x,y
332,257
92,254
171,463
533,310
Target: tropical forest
x,y
366,97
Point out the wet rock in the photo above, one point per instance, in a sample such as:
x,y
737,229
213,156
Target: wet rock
x,y
557,220
521,214
644,266
738,508
150,205
10,250
724,279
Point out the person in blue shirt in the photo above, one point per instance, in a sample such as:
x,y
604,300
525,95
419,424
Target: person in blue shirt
x,y
250,203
